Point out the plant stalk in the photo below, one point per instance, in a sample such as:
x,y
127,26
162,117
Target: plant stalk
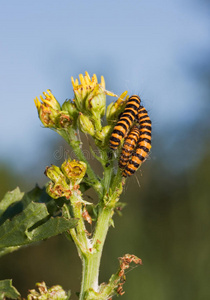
x,y
91,261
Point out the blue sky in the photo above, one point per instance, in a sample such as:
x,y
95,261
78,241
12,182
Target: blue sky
x,y
145,47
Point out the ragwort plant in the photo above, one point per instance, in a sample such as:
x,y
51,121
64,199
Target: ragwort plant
x,y
60,206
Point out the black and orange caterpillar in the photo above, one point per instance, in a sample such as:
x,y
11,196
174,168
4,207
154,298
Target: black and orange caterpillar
x,y
135,156
129,146
125,122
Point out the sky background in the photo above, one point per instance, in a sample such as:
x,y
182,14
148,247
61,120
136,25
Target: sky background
x,y
150,48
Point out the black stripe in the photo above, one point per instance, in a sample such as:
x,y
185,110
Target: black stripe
x,y
146,127
114,139
132,171
128,116
134,98
132,105
142,117
136,165
126,150
129,112
142,158
145,140
121,124
146,132
143,148
145,121
127,144
117,132
142,111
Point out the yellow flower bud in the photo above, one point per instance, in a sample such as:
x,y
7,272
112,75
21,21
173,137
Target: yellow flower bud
x,y
54,173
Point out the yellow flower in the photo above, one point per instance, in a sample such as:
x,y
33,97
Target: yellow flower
x,y
48,109
74,170
90,95
87,85
48,101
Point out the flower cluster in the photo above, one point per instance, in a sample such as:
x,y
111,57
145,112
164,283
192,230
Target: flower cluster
x,y
53,293
85,111
65,179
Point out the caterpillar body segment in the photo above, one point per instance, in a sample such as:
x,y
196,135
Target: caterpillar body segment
x,y
143,145
125,122
143,119
129,146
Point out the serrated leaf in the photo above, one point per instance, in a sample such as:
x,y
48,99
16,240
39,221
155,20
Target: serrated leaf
x,y
30,217
52,227
10,198
16,232
20,202
7,290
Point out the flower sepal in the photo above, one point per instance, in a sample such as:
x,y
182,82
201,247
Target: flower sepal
x,y
54,173
73,112
95,102
103,135
64,120
85,124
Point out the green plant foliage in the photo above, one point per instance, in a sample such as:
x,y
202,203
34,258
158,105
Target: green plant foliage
x,y
9,199
60,206
28,221
7,290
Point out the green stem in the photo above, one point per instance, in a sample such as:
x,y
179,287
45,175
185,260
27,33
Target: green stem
x,y
102,227
108,171
91,261
80,228
117,180
90,266
73,232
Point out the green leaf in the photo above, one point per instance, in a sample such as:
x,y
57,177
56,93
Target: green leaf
x,y
17,232
10,198
14,232
52,227
15,202
7,290
28,221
